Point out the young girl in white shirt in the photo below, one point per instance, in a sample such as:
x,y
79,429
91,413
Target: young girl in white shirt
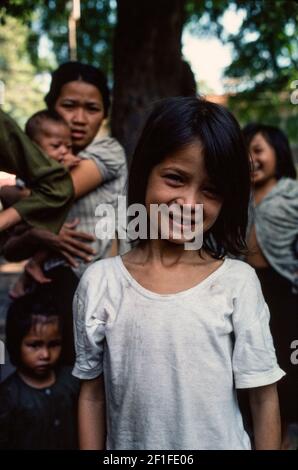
x,y
165,335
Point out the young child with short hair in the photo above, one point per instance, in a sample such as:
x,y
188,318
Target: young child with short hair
x,y
38,401
52,134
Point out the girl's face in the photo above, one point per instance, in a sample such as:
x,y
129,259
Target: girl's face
x,y
41,347
81,105
181,178
264,160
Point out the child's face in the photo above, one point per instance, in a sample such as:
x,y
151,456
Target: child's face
x,y
264,160
182,178
41,347
55,140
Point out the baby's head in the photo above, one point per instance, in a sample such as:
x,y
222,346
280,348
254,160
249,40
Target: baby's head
x,y
51,132
34,333
192,151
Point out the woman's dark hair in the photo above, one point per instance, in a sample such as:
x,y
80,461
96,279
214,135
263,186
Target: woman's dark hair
x,y
23,313
73,71
277,139
34,124
177,122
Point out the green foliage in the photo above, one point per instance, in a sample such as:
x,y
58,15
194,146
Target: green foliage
x,y
22,90
94,30
265,48
269,108
265,59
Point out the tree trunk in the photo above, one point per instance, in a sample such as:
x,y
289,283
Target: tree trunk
x,y
147,63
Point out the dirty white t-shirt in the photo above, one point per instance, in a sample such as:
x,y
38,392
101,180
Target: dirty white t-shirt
x,y
172,362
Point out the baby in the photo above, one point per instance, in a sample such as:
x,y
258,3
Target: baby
x,y
52,134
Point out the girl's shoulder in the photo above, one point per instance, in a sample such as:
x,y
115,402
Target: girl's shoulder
x,y
239,274
238,267
100,274
99,267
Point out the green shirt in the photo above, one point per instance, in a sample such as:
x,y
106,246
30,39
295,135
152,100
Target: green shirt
x,y
51,186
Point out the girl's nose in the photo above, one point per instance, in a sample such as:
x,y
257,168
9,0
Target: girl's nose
x,y
190,198
44,353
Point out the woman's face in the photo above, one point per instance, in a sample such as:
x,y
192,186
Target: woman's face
x,y
264,160
81,105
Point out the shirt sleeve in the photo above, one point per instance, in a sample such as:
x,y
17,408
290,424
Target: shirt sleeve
x,y
89,330
254,359
108,156
50,183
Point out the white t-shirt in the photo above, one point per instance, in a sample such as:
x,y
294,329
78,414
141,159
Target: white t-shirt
x,y
172,362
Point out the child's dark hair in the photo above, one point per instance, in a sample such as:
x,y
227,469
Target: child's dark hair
x,y
34,124
23,313
278,140
73,71
177,122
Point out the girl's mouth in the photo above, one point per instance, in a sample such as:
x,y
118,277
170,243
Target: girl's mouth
x,y
256,166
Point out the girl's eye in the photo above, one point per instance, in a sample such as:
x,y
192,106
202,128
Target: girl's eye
x,y
174,178
211,192
33,345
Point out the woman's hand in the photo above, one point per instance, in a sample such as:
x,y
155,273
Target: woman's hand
x,y
69,243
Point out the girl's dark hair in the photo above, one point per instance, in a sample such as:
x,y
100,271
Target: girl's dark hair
x,y
73,71
21,316
277,139
177,122
34,124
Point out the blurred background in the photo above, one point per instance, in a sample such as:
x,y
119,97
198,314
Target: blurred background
x,y
241,53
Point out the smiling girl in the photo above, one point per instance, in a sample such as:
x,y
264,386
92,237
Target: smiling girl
x,y
273,249
165,335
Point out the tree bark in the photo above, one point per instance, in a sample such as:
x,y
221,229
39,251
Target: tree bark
x,y
148,64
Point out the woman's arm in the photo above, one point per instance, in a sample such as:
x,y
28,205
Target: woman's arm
x,y
266,417
85,178
92,415
68,243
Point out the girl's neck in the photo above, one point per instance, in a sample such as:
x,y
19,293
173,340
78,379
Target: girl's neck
x,y
166,254
261,191
35,381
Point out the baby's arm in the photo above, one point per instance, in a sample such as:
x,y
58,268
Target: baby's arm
x,y
266,417
92,418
